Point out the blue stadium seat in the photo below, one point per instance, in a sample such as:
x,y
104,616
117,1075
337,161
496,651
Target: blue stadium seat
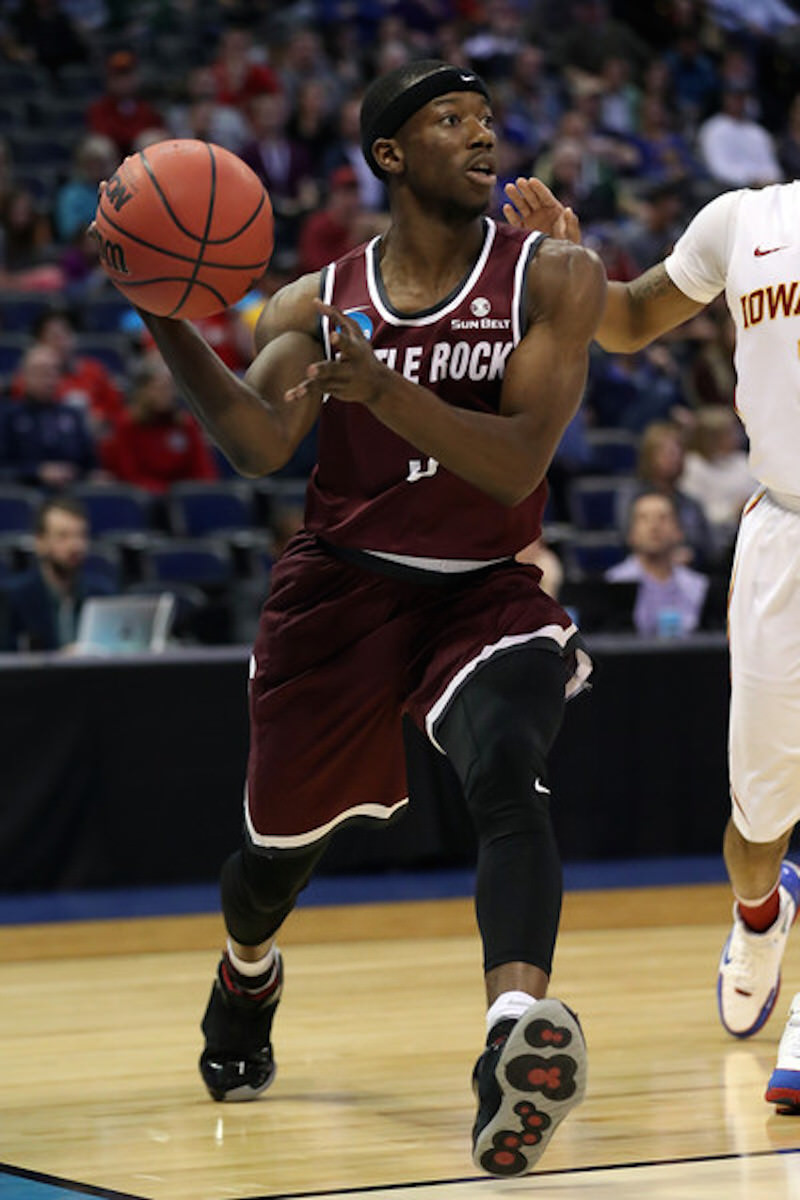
x,y
613,451
592,553
103,314
594,500
115,507
106,561
20,309
12,348
18,508
198,508
37,150
111,349
201,562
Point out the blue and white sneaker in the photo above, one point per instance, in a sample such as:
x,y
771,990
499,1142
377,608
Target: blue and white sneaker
x,y
783,1088
750,966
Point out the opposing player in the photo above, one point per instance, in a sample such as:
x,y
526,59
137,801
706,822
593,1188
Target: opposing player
x,y
743,243
443,361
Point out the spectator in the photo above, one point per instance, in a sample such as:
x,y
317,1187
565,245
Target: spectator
x,y
310,124
238,75
670,596
737,151
709,375
346,151
593,36
341,225
304,59
155,443
531,101
653,231
201,115
121,113
692,76
44,603
83,382
659,468
631,391
42,441
716,472
665,155
282,164
41,32
620,97
76,199
28,257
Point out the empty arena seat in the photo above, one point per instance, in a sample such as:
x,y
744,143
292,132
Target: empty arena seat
x,y
613,451
115,507
200,562
595,500
198,508
18,508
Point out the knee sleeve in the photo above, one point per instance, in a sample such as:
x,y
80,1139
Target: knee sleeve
x,y
497,734
259,889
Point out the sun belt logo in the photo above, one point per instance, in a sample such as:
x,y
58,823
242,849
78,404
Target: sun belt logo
x,y
362,321
480,307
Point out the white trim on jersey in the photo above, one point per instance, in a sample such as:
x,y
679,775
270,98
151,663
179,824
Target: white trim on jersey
x,y
276,841
439,566
519,279
327,293
429,318
554,633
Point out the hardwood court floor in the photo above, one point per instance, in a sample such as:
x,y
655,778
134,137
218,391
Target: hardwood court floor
x,y
380,1024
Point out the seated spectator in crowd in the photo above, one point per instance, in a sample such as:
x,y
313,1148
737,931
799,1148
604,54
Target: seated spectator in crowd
x,y
736,150
659,468
44,602
653,232
238,73
630,391
665,155
345,150
76,200
199,114
156,443
121,113
83,382
709,374
670,596
310,124
692,76
42,32
281,164
716,472
341,225
43,441
28,256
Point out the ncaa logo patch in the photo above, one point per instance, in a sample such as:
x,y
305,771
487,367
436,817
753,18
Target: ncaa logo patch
x,y
480,307
362,321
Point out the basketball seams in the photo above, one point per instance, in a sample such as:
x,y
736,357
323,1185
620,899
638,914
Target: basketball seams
x,y
198,262
173,217
198,283
189,258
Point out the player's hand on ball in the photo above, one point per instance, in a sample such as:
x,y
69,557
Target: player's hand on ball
x,y
533,206
355,375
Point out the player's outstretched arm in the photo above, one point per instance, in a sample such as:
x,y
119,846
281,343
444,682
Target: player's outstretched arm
x,y
637,312
249,418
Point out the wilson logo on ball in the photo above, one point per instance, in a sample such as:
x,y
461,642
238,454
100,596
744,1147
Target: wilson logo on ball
x,y
116,192
113,256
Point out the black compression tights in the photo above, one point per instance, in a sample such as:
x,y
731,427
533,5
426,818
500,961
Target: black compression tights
x,y
260,889
497,733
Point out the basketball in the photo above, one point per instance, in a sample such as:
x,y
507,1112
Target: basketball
x,y
185,228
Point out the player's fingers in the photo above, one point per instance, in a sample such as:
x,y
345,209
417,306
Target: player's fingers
x,y
511,215
342,323
536,193
517,198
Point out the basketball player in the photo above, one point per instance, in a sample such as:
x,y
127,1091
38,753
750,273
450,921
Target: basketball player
x,y
744,243
443,361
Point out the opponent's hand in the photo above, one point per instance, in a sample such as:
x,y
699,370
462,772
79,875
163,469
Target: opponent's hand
x,y
533,206
355,375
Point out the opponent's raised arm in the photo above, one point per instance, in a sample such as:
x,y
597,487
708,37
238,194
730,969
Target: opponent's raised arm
x,y
249,419
636,312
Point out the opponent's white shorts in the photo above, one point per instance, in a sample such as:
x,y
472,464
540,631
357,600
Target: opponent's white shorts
x,y
764,630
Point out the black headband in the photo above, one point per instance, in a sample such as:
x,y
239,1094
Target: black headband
x,y
397,110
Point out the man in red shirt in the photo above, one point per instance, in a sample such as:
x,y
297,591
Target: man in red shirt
x,y
155,444
342,224
121,113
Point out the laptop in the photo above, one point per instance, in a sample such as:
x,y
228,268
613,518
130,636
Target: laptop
x,y
125,624
599,605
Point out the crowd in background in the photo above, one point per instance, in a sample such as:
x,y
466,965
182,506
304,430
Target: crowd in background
x,y
634,114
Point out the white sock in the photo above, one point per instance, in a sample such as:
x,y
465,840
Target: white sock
x,y
508,1005
251,969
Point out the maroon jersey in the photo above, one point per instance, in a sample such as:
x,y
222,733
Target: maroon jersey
x,y
374,491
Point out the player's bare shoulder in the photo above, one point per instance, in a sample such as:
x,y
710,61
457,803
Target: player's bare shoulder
x,y
290,310
567,283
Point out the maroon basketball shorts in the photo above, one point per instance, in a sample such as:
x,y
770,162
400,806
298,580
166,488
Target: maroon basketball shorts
x,y
342,653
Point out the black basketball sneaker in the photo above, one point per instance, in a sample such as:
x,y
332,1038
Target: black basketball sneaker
x,y
531,1074
237,1063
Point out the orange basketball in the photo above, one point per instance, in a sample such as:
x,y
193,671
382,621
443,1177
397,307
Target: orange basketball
x,y
185,228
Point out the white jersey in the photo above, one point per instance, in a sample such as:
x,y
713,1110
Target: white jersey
x,y
747,243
